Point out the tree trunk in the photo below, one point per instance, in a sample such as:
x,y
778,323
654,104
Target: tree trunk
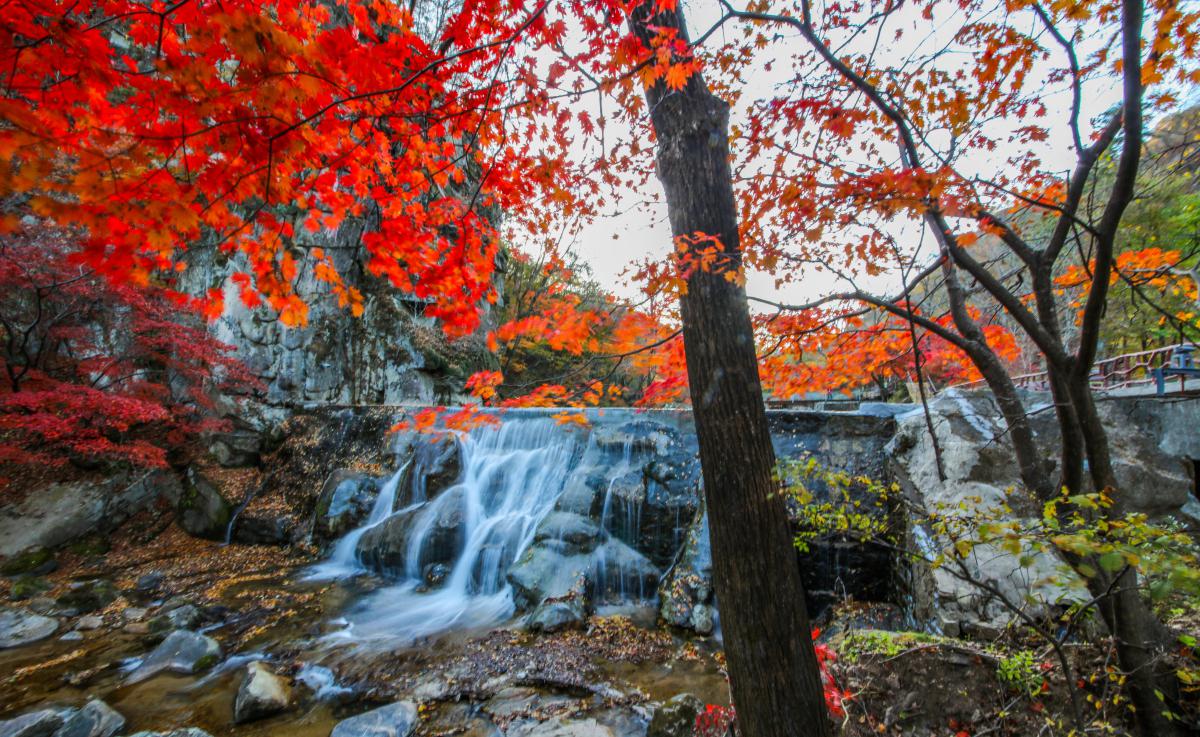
x,y
772,667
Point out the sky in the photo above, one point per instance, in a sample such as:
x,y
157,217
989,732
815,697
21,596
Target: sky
x,y
636,226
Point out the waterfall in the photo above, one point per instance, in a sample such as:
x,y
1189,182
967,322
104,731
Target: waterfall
x,y
343,560
510,478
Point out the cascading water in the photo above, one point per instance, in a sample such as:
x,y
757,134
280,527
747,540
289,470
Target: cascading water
x,y
343,560
510,479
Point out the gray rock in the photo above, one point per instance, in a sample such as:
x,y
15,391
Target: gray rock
x,y
94,719
394,720
20,627
184,617
82,597
553,615
61,512
559,727
344,503
182,732
181,652
150,582
580,534
687,590
202,510
43,723
260,695
385,548
72,636
676,718
134,614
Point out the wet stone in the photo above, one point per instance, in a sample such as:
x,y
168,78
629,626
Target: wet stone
x,y
95,719
19,627
43,723
260,695
393,720
676,718
182,652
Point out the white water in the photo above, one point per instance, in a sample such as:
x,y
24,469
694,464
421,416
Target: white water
x,y
343,561
511,477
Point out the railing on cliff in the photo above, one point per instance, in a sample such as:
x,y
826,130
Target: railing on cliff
x,y
1130,371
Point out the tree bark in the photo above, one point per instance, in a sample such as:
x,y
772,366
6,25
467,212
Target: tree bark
x,y
773,670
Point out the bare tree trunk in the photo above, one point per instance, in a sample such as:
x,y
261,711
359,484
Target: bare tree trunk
x,y
772,666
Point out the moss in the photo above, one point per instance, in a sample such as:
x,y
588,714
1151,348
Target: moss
x,y
205,662
27,587
26,561
881,642
90,546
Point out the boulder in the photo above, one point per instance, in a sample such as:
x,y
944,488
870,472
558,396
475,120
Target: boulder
x,y
84,597
61,512
258,528
184,617
202,510
94,719
20,627
27,587
260,695
344,503
386,547
436,465
676,718
149,583
542,573
43,723
181,652
553,615
621,574
394,720
577,533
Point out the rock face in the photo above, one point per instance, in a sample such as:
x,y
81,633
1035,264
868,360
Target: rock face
x,y
345,501
19,627
1153,447
59,513
182,652
391,354
260,695
393,720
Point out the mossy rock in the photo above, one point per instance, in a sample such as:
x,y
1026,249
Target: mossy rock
x,y
206,662
27,587
34,559
90,546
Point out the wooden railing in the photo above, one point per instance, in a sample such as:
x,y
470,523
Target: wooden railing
x,y
1128,371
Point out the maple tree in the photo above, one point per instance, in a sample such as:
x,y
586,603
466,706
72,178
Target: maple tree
x,y
98,372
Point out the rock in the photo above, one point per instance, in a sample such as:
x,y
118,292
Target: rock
x,y
184,732
27,587
35,560
676,718
149,583
184,617
518,701
94,719
88,596
579,534
541,573
134,614
202,510
386,547
41,605
61,512
72,636
553,615
181,652
262,529
394,720
138,628
558,727
437,464
344,503
90,622
435,574
260,695
19,627
43,723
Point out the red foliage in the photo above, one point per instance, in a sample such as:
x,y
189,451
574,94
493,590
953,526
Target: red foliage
x,y
721,721
95,371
